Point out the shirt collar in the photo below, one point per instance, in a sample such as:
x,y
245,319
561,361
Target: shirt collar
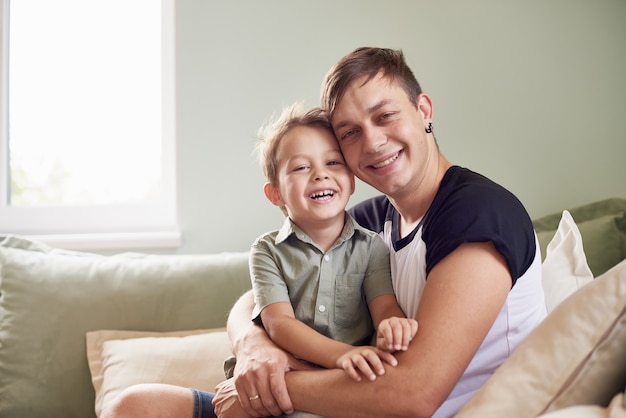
x,y
350,227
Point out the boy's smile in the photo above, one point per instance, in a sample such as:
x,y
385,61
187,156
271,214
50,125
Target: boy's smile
x,y
314,182
323,195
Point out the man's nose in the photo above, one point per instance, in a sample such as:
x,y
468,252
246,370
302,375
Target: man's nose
x,y
373,140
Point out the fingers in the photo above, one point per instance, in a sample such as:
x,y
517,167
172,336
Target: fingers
x,y
226,401
395,334
388,358
258,403
260,383
384,337
365,362
279,395
250,397
273,397
352,373
412,330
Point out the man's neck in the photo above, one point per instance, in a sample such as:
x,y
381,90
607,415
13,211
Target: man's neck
x,y
413,206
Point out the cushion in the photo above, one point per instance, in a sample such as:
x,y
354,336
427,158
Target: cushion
x,y
616,409
594,210
574,357
51,298
603,238
119,359
602,225
565,267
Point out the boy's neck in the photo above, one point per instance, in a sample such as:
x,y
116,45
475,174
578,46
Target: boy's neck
x,y
324,234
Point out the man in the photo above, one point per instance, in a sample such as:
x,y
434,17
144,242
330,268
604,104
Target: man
x,y
464,257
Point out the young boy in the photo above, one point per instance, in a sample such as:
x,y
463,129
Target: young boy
x,y
322,284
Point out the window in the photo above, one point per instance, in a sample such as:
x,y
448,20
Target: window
x,y
87,146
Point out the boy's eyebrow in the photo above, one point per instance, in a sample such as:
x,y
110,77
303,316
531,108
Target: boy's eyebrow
x,y
372,109
306,156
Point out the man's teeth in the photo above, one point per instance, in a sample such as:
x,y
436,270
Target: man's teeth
x,y
321,195
386,162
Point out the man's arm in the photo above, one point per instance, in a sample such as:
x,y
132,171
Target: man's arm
x,y
461,300
306,343
261,364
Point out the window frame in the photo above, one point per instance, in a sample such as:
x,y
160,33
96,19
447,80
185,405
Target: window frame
x,y
99,227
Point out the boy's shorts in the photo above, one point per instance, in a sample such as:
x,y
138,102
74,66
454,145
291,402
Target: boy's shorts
x,y
203,404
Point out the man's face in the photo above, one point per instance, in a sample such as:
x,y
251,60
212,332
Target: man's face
x,y
382,135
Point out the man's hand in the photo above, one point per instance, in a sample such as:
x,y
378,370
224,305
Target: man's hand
x,y
395,334
226,401
260,380
266,379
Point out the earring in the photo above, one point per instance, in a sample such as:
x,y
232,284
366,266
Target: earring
x,y
430,128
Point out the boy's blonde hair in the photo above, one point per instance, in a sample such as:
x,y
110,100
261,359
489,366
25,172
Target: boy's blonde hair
x,y
270,135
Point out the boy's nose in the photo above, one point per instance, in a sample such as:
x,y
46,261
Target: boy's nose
x,y
320,174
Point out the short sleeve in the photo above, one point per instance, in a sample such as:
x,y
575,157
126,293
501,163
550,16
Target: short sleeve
x,y
472,208
267,283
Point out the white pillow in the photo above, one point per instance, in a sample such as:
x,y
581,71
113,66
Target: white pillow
x,y
565,268
119,359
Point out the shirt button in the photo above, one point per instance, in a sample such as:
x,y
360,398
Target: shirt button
x,y
326,257
322,308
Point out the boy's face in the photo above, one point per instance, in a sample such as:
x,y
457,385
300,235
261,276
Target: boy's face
x,y
382,135
314,182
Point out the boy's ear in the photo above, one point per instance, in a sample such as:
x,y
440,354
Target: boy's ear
x,y
352,182
273,194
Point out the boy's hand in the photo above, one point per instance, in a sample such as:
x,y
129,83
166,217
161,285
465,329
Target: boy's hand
x,y
365,361
395,334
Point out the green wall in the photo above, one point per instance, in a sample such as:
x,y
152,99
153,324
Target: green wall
x,y
530,93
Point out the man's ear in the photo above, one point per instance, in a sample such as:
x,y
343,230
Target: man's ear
x,y
273,194
425,107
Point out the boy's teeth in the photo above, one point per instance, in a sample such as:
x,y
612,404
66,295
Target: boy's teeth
x,y
326,194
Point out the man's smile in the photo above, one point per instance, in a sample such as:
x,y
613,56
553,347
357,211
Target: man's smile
x,y
386,162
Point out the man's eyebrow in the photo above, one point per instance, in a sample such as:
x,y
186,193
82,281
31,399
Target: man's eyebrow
x,y
341,124
372,109
378,105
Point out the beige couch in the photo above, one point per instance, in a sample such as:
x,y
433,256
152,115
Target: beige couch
x,y
76,328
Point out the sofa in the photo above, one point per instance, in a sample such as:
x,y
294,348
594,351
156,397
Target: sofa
x,y
76,328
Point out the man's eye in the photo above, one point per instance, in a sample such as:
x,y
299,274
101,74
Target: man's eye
x,y
348,134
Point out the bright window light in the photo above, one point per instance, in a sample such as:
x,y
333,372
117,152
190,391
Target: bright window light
x,y
87,117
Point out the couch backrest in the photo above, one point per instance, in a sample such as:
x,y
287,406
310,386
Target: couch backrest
x,y
49,299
